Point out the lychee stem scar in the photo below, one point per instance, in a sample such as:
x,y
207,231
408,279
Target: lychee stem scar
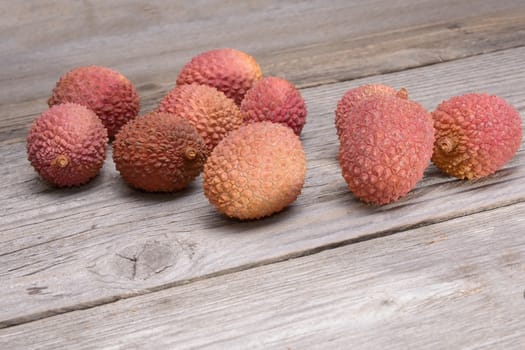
x,y
402,93
446,144
61,161
190,153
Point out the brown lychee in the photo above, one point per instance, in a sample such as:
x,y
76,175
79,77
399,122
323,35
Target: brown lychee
x,y
159,152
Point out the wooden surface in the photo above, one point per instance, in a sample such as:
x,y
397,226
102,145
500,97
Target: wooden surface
x,y
442,267
456,284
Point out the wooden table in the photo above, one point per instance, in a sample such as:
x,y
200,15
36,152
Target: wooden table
x,y
104,266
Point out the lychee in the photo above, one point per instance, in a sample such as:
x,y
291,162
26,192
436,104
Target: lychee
x,y
386,144
106,92
212,113
67,144
276,100
159,152
255,171
230,71
353,96
476,134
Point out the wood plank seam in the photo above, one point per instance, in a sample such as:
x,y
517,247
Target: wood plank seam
x,y
400,69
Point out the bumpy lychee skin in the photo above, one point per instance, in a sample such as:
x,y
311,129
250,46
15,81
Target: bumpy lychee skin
x,y
230,71
257,170
67,145
353,96
159,152
212,113
386,144
106,92
476,134
276,100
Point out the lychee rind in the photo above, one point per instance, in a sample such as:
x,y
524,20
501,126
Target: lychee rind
x,y
212,113
159,152
228,70
277,100
105,91
67,145
353,96
257,170
476,135
385,145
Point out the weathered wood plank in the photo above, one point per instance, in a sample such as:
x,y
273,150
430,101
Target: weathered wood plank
x,y
69,249
453,285
307,42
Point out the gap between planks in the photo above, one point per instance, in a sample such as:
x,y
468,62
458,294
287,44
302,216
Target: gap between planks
x,y
394,70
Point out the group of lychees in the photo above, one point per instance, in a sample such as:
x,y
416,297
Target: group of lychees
x,y
242,132
387,140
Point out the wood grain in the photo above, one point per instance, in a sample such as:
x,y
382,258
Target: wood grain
x,y
457,284
62,250
309,43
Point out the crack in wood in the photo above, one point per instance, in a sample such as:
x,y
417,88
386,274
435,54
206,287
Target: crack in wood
x,y
142,260
36,290
133,260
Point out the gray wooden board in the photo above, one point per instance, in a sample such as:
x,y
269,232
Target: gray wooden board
x,y
67,249
453,285
309,42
